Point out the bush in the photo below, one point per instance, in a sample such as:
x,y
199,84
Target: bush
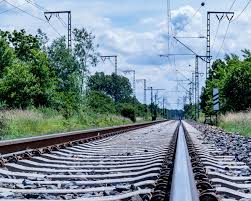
x,y
100,103
128,111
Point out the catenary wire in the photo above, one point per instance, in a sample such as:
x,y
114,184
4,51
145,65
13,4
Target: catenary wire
x,y
243,10
36,17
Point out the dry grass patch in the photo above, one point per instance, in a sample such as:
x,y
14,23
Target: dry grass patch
x,y
237,122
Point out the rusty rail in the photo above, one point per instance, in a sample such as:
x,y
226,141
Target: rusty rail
x,y
10,146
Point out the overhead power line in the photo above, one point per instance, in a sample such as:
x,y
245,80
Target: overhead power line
x,y
224,39
232,5
36,5
34,16
24,11
46,10
243,10
217,31
10,9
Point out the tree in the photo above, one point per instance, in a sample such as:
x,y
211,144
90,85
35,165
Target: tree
x,y
25,77
23,44
232,77
237,87
18,86
118,87
84,52
63,64
43,40
100,103
7,55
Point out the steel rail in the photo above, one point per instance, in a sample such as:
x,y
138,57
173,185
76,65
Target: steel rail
x,y
127,166
183,183
19,145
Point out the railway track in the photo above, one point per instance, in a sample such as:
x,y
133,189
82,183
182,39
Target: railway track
x,y
158,161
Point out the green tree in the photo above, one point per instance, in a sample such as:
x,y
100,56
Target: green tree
x,y
18,86
23,44
118,87
43,40
25,76
100,103
232,77
237,87
84,52
63,64
7,55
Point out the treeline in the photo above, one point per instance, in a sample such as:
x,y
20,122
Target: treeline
x,y
233,78
37,73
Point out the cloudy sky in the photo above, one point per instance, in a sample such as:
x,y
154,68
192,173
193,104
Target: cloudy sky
x,y
136,31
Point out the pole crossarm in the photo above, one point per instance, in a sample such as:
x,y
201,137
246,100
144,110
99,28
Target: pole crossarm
x,y
220,15
177,54
115,57
194,53
187,79
48,16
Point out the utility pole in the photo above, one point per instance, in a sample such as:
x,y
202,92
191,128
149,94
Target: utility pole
x,y
144,81
164,108
115,57
145,103
191,84
152,104
134,80
168,22
197,89
220,15
48,16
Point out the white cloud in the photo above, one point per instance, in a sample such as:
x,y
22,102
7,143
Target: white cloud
x,y
138,46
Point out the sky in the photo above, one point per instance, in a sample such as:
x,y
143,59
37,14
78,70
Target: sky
x,y
136,31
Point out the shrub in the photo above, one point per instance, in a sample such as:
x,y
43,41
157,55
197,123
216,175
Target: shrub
x,y
128,111
100,103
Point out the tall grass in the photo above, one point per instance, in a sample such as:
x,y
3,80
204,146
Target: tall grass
x,y
26,123
237,122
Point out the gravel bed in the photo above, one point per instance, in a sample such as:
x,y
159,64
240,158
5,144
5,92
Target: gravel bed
x,y
231,144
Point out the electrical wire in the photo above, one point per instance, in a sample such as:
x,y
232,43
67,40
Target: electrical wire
x,y
36,17
62,21
225,36
5,11
243,10
217,31
232,5
24,11
44,9
36,5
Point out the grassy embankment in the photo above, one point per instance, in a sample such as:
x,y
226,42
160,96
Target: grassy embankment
x,y
237,122
26,123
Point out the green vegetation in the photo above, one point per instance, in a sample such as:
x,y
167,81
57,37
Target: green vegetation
x,y
233,78
237,122
25,123
36,73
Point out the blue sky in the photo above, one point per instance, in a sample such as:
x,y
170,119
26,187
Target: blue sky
x,y
136,30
